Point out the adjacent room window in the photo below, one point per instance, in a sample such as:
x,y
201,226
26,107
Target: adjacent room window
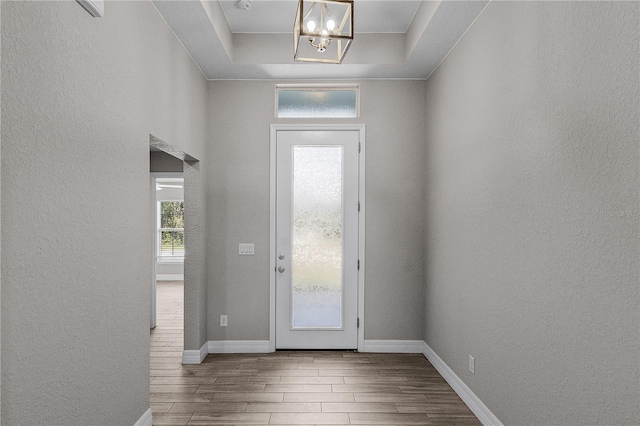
x,y
313,101
171,231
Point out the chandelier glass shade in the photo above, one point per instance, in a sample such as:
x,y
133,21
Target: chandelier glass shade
x,y
322,31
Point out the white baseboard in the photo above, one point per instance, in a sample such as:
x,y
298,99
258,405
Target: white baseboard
x,y
471,399
394,346
169,277
195,356
146,419
238,346
224,347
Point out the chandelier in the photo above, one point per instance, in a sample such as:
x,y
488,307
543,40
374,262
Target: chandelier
x,y
322,31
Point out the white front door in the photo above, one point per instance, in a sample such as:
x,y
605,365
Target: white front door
x,y
317,239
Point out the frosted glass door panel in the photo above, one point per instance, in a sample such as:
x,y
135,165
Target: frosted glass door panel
x,y
317,246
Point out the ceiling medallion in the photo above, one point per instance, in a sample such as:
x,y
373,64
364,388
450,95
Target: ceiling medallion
x,y
322,31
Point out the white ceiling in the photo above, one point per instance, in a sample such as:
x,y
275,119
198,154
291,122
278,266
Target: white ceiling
x,y
403,39
266,16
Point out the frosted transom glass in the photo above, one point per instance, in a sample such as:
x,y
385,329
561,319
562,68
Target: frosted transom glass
x,y
317,258
319,103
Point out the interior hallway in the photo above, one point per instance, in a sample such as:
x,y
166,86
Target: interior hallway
x,y
292,387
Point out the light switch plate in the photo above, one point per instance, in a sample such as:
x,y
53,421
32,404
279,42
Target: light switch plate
x,y
245,249
472,364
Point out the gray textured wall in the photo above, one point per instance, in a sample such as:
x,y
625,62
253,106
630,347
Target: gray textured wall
x,y
532,256
241,112
80,96
163,162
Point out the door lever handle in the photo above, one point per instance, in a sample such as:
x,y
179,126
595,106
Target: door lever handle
x,y
281,269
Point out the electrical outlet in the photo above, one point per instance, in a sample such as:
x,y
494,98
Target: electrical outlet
x,y
472,364
223,320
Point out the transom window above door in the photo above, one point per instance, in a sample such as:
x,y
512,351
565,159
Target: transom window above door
x,y
317,101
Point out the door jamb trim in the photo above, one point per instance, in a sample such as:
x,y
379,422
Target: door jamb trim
x,y
274,128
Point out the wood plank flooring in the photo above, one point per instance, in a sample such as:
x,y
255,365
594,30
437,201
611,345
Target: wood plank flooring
x,y
292,387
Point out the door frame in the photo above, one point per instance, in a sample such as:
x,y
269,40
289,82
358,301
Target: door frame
x,y
274,128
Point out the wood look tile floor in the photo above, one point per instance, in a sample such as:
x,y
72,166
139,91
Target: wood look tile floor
x,y
292,387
